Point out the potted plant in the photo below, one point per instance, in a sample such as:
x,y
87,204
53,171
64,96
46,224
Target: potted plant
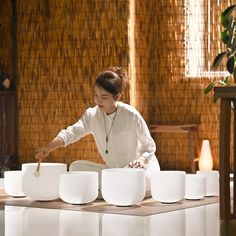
x,y
228,37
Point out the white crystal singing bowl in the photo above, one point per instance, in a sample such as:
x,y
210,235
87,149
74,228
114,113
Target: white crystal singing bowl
x,y
45,187
12,183
78,187
123,186
195,186
168,186
212,182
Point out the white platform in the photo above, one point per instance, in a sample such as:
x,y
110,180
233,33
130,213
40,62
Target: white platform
x,y
1,183
195,221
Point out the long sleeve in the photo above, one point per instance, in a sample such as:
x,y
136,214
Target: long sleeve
x,y
76,131
146,145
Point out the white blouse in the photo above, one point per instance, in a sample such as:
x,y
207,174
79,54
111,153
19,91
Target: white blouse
x,y
129,137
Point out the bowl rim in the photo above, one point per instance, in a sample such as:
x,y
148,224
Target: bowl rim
x,y
195,176
79,172
115,170
44,164
207,171
169,171
12,171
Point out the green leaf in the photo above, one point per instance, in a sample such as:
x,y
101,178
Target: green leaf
x,y
234,74
225,16
225,37
215,99
218,59
209,88
226,80
228,11
222,82
230,64
227,22
234,36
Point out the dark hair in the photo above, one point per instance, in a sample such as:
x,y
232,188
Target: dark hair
x,y
113,80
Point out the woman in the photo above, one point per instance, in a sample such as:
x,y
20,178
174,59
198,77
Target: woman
x,y
121,134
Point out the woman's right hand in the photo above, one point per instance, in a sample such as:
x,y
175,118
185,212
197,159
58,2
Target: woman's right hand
x,y
41,153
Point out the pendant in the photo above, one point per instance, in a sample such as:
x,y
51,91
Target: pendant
x,y
106,144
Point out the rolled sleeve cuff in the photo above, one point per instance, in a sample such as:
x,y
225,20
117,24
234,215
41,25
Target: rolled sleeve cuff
x,y
145,158
146,155
64,138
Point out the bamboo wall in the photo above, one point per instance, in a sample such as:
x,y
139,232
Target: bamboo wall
x,y
64,44
164,94
5,36
166,97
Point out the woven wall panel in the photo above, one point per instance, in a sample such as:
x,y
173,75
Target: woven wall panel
x,y
5,36
164,94
63,45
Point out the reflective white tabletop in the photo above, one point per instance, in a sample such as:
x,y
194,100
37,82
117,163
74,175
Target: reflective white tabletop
x,y
25,221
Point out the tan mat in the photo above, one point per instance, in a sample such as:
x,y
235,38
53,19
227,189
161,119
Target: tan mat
x,y
145,208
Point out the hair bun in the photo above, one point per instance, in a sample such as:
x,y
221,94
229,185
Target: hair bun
x,y
114,80
120,72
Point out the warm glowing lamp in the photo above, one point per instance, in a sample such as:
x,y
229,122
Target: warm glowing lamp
x,y
205,160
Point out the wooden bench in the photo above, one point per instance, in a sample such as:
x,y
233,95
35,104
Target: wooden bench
x,y
187,129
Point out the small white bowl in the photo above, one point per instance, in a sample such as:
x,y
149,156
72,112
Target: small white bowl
x,y
212,182
78,187
123,186
168,186
45,187
12,183
195,186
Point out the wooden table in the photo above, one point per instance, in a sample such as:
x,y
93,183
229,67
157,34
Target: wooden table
x,y
226,95
185,128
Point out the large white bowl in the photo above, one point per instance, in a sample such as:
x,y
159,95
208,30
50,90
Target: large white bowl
x,y
195,186
212,182
12,183
45,187
123,186
168,186
78,187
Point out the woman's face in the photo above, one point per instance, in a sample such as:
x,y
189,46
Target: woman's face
x,y
105,100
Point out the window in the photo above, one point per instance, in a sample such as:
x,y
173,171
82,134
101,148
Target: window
x,y
202,37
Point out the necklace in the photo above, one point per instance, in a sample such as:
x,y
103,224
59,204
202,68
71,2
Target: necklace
x,y
109,131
